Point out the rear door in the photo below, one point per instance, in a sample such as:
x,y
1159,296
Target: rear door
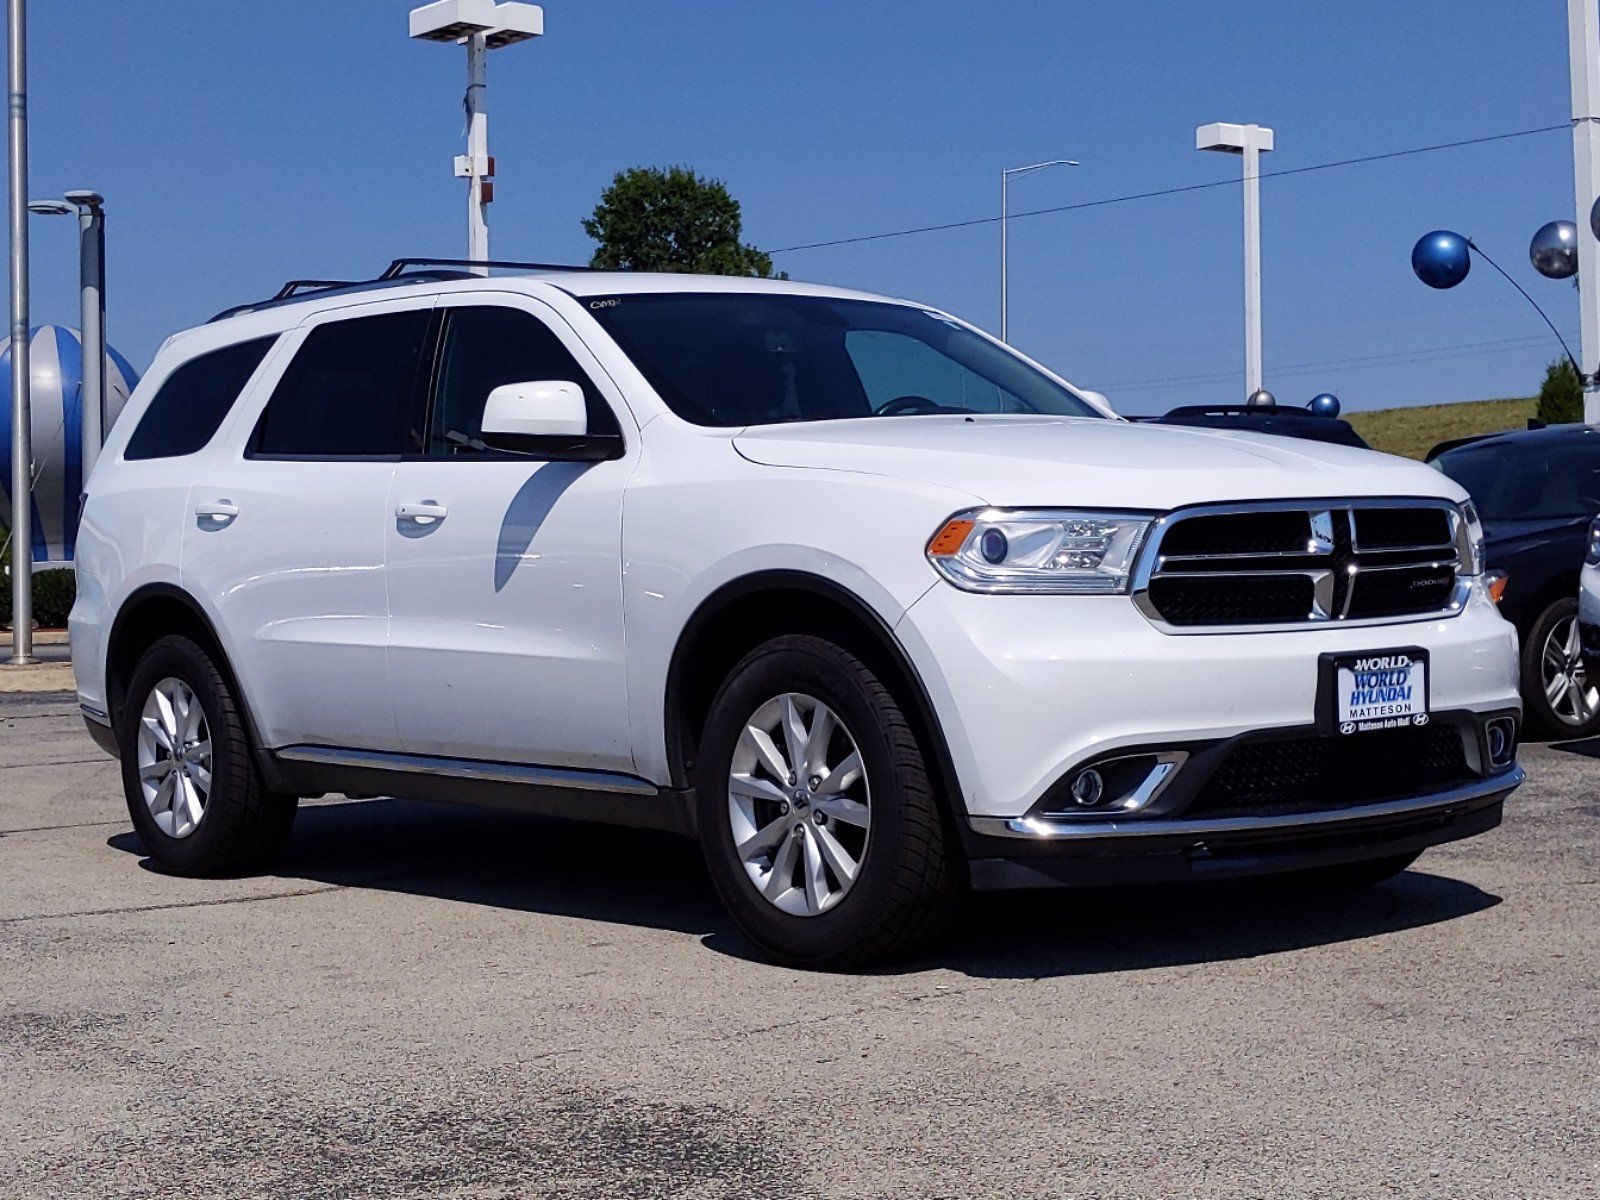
x,y
505,571
285,534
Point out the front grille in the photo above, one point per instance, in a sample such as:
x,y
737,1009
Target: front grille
x,y
1286,564
1314,774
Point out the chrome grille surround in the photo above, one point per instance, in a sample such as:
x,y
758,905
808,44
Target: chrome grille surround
x,y
1332,549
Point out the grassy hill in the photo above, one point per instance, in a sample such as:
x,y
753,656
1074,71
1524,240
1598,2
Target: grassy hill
x,y
1412,432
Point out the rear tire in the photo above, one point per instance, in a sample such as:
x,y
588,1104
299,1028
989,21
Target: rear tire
x,y
189,775
843,874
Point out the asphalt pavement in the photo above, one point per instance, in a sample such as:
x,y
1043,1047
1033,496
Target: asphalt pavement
x,y
428,1001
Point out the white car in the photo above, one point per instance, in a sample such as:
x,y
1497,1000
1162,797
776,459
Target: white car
x,y
877,608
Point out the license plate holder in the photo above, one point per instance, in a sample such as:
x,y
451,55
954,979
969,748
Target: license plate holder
x,y
1371,690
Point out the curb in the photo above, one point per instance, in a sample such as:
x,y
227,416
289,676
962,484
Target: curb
x,y
37,677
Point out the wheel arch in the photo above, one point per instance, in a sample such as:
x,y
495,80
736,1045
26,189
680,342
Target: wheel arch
x,y
747,611
152,612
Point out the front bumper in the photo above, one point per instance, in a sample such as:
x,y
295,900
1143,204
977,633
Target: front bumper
x,y
1028,688
1009,853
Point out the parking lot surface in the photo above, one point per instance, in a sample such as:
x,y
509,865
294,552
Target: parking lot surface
x,y
427,1001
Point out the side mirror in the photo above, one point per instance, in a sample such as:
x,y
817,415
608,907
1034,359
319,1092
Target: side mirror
x,y
546,418
1094,397
545,409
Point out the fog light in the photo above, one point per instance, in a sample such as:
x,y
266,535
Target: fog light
x,y
1088,788
1502,737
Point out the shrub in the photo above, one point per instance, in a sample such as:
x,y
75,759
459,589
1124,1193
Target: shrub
x,y
54,591
1561,394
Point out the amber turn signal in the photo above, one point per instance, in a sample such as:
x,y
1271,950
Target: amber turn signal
x,y
951,538
1495,582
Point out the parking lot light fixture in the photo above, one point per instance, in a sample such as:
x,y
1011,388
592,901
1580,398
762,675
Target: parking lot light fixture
x,y
90,209
481,26
1249,142
1005,281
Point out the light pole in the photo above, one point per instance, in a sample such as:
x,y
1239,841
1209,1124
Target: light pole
x,y
481,26
1583,50
89,207
1248,141
1005,277
21,375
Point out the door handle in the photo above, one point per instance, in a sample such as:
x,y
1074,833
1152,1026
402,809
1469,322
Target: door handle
x,y
425,512
217,510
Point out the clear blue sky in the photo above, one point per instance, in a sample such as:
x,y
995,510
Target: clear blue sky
x,y
242,143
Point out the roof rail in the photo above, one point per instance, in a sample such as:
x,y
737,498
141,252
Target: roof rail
x,y
400,271
295,286
402,266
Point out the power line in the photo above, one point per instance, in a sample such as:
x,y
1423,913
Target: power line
x,y
1173,191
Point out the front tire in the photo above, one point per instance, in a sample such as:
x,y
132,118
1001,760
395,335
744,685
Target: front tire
x,y
819,823
193,788
1560,699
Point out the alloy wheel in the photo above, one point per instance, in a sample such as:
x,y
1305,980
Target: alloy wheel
x,y
799,804
1573,699
174,757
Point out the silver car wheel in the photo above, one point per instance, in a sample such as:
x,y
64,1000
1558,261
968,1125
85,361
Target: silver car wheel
x,y
799,804
174,757
1572,698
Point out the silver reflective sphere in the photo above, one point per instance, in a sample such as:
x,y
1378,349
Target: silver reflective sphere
x,y
1260,398
1554,250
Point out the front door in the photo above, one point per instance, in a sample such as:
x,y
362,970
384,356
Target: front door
x,y
504,571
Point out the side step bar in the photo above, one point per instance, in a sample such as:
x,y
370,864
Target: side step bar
x,y
604,796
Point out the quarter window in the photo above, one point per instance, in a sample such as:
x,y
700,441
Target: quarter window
x,y
351,392
187,410
485,348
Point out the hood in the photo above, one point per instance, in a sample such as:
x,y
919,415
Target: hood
x,y
1087,461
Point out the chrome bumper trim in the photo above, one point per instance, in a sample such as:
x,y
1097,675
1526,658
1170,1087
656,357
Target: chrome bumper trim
x,y
1039,829
465,768
95,715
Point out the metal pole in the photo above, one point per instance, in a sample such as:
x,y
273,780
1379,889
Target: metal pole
x,y
477,149
1583,47
92,323
1252,262
1005,279
21,417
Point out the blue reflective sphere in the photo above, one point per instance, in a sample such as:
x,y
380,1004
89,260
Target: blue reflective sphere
x,y
1324,404
1441,259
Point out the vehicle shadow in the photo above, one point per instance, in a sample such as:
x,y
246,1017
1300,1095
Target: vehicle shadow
x,y
656,880
1587,747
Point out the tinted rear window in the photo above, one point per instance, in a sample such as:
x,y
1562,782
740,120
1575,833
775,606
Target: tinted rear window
x,y
351,392
188,409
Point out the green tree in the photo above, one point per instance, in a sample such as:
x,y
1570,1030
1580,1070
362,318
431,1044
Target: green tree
x,y
1561,395
651,219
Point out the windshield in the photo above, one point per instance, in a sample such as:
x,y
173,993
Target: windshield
x,y
1528,482
737,359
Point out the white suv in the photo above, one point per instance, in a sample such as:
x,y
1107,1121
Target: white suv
x,y
874,606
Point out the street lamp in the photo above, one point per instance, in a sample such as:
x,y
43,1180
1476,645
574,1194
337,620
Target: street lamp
x,y
91,213
482,26
1248,141
1005,280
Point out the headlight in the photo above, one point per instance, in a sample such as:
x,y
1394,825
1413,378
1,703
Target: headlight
x,y
1591,556
1041,550
1472,550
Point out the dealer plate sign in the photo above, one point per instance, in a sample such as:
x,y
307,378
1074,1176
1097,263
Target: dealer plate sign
x,y
1380,691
